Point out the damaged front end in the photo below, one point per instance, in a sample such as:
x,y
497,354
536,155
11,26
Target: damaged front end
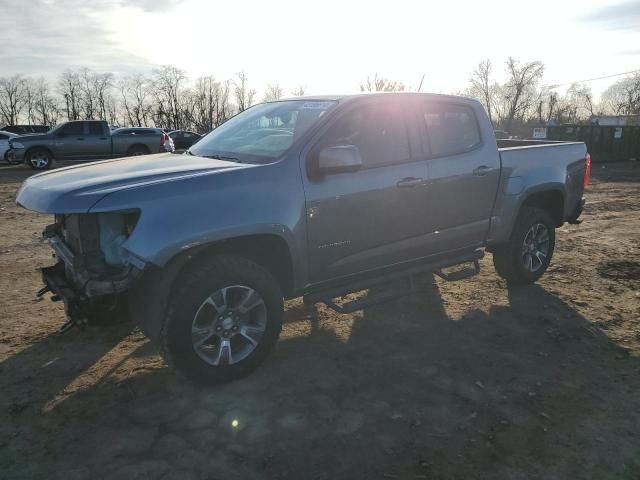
x,y
94,271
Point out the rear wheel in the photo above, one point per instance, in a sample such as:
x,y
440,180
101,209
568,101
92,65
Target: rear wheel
x,y
223,320
137,150
39,159
528,253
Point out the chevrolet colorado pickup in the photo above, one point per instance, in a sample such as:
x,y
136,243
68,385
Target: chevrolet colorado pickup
x,y
83,140
313,197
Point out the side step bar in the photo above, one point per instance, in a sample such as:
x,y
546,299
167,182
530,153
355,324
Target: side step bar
x,y
392,292
460,274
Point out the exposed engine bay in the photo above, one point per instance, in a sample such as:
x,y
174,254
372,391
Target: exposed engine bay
x,y
93,269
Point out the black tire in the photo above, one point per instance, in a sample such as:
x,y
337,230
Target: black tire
x,y
10,162
511,261
202,282
39,159
136,150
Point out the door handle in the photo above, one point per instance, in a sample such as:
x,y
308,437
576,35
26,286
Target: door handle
x,y
410,182
80,138
481,170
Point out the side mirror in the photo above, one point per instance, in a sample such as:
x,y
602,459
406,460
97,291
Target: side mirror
x,y
339,159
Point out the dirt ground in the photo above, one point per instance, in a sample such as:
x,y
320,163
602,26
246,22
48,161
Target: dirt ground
x,y
468,380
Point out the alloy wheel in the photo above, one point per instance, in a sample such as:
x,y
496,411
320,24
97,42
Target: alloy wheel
x,y
39,160
535,247
229,325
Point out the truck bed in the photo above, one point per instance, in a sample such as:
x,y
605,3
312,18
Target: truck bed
x,y
509,143
536,165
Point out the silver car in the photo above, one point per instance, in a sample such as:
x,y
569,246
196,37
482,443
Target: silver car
x,y
4,144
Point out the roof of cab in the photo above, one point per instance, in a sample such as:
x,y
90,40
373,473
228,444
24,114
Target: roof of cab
x,y
342,98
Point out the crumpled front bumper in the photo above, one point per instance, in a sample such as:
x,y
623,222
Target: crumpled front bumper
x,y
82,290
16,155
87,283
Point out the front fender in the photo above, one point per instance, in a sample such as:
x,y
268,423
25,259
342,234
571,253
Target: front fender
x,y
179,216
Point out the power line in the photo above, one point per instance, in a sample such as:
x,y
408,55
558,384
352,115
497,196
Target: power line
x,y
556,85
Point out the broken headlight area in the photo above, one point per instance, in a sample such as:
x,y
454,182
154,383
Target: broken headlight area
x,y
90,248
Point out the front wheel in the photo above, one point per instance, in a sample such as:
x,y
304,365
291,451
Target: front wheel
x,y
223,320
8,160
528,253
39,159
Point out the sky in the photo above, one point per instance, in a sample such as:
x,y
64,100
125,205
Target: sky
x,y
326,46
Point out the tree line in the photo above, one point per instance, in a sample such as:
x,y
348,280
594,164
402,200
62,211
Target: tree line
x,y
523,99
168,98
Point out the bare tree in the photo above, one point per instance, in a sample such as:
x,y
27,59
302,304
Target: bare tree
x,y
135,96
483,88
13,97
520,92
70,88
45,104
273,92
381,84
30,100
546,104
623,97
211,105
299,91
85,77
244,95
168,91
580,98
102,87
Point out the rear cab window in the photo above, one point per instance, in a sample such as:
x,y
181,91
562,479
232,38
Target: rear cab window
x,y
96,128
451,128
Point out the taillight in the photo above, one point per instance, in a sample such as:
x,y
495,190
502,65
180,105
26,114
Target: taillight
x,y
164,139
587,170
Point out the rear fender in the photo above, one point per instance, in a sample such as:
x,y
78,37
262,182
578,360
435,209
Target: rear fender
x,y
513,197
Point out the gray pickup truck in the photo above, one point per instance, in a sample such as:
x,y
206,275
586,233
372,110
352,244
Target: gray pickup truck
x,y
83,140
314,197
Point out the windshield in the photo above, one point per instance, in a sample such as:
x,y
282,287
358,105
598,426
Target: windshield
x,y
57,127
262,133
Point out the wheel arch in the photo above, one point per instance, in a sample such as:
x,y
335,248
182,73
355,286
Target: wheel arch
x,y
140,146
31,148
267,250
550,200
148,298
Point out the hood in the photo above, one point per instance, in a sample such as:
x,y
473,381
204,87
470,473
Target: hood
x,y
76,189
30,137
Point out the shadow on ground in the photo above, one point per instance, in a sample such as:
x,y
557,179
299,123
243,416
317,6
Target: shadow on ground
x,y
529,390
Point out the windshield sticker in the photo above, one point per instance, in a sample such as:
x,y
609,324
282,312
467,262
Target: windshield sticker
x,y
316,105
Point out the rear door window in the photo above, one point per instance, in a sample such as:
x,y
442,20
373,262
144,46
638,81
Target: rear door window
x,y
450,128
95,129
